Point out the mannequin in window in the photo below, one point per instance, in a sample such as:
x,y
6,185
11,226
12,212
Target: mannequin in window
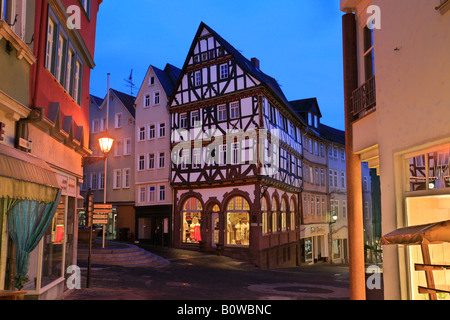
x,y
196,226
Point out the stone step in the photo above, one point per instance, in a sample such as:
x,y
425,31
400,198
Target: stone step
x,y
122,255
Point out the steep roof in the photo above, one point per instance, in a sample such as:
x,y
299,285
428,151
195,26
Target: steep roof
x,y
168,77
306,105
127,101
97,100
332,134
270,82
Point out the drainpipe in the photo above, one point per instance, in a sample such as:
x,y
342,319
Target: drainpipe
x,y
354,187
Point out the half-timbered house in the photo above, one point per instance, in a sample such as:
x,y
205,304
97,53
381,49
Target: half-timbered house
x,y
236,156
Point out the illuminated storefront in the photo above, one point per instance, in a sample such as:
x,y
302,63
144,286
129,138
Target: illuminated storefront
x,y
427,201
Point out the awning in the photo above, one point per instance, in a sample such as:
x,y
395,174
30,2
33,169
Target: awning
x,y
24,176
433,233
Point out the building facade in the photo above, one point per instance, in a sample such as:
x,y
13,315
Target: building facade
x,y
119,123
396,93
315,227
236,157
153,191
337,190
45,110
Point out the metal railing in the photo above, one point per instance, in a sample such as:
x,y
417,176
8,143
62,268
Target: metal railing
x,y
364,98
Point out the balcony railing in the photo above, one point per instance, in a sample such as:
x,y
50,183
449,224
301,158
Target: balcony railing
x,y
364,98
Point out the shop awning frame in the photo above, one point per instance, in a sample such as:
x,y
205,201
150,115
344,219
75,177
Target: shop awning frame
x,y
24,176
433,233
423,235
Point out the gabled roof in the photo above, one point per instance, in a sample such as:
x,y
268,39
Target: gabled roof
x,y
127,101
97,100
306,105
332,134
168,77
245,64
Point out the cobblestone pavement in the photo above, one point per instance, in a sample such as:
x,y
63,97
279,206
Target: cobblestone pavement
x,y
195,275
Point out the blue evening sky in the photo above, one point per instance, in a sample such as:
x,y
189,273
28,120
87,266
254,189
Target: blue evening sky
x,y
298,42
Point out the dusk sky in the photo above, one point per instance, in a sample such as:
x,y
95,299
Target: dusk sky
x,y
298,42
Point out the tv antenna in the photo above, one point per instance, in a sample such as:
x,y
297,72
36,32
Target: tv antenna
x,y
129,82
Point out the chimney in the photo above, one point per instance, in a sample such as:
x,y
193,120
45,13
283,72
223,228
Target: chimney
x,y
255,62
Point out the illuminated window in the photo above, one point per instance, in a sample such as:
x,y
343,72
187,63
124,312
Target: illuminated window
x,y
237,223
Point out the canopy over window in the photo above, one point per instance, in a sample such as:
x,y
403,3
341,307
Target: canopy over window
x,y
24,176
433,233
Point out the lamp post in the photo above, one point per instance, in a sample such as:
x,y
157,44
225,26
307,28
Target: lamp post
x,y
105,146
332,221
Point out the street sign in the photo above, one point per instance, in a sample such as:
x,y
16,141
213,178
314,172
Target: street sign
x,y
100,216
97,211
100,221
102,206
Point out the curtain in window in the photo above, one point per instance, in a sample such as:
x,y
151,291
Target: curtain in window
x,y
28,221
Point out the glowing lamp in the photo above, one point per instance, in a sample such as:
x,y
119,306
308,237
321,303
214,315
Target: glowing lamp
x,y
106,144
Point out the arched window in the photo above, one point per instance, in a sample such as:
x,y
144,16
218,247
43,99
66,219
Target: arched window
x,y
191,221
292,215
216,226
238,227
274,215
265,222
283,215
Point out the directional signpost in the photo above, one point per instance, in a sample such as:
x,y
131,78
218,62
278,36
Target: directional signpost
x,y
101,212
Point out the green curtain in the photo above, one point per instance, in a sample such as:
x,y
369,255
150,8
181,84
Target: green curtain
x,y
28,221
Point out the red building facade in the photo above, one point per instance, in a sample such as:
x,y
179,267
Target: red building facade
x,y
48,124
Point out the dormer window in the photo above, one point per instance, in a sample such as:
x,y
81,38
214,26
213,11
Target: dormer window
x,y
310,119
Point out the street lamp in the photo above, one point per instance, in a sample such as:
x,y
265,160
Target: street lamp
x,y
106,143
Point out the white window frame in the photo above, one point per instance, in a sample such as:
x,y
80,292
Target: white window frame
x,y
195,120
222,112
139,162
235,110
163,158
162,188
141,133
142,199
151,131
118,120
101,181
127,147
162,129
95,126
118,148
126,178
151,160
147,100
224,71
117,179
197,78
93,182
183,120
151,194
156,98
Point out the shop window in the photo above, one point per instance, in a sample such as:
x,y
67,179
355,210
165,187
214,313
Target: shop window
x,y
238,227
191,222
216,225
274,215
283,215
265,224
52,261
292,215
